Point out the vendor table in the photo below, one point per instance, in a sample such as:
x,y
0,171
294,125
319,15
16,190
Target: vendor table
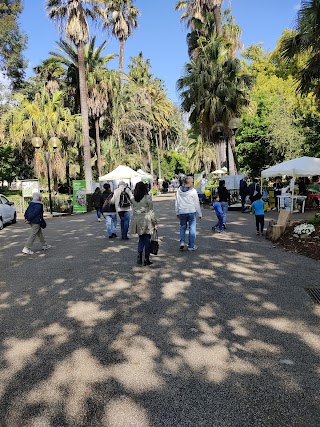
x,y
284,201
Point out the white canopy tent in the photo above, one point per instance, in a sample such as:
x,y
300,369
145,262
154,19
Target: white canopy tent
x,y
120,172
303,166
145,174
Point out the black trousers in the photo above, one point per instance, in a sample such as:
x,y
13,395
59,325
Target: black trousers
x,y
260,220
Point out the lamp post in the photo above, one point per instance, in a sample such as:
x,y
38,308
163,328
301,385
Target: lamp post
x,y
53,143
224,132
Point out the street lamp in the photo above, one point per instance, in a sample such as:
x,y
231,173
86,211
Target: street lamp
x,y
224,132
53,144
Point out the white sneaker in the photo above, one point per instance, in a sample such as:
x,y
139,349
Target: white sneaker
x,y
99,219
193,249
46,246
27,251
181,246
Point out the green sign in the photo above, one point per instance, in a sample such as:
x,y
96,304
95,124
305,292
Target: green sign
x,y
79,196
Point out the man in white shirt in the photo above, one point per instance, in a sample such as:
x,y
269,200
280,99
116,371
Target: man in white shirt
x,y
187,206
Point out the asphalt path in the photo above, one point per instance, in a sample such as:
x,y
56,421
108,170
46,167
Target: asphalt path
x,y
225,336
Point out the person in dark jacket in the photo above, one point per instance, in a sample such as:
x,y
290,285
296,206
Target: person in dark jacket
x,y
253,190
34,216
97,202
243,191
224,198
110,212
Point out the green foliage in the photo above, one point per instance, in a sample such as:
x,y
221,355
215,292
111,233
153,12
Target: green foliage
x,y
12,165
12,42
172,164
314,221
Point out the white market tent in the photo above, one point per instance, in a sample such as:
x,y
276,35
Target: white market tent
x,y
218,172
145,174
303,166
120,172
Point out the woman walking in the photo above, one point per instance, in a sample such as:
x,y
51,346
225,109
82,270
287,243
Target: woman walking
x,y
224,197
97,202
143,221
34,216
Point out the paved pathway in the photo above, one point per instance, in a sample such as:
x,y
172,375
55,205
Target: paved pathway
x,y
222,337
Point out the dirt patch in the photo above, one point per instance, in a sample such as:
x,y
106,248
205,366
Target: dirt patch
x,y
309,247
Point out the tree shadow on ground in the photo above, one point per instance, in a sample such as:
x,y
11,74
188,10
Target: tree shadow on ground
x,y
221,337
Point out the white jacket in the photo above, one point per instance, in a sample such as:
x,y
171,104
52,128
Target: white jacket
x,y
116,198
187,201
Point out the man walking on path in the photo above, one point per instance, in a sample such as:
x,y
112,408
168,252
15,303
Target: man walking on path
x,y
121,200
110,211
187,206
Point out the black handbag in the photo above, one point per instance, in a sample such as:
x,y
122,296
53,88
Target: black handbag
x,y
154,245
43,224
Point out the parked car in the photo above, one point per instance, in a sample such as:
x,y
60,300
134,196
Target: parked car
x,y
8,212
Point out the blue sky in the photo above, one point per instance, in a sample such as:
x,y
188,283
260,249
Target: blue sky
x,y
160,36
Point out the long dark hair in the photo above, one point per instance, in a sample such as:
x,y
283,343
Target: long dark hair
x,y
140,191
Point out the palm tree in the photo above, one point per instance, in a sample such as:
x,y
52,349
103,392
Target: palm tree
x,y
198,10
201,155
96,71
121,17
45,117
73,15
306,41
214,89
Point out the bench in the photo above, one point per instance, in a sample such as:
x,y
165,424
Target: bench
x,y
280,226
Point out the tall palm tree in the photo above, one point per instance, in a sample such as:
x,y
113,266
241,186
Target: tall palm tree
x,y
121,17
95,68
306,41
214,89
197,10
73,15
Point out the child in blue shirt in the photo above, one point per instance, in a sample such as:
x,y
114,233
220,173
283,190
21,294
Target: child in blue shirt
x,y
258,210
219,212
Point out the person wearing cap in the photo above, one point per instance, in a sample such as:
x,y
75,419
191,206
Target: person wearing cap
x,y
187,205
123,212
34,217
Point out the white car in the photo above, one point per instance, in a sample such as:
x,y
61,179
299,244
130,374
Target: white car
x,y
8,212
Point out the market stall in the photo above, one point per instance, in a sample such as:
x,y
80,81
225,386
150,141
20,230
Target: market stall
x,y
300,167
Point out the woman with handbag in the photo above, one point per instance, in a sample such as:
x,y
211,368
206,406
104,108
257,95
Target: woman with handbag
x,y
143,221
34,216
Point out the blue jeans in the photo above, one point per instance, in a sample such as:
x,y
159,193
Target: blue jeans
x,y
224,206
191,220
219,224
124,222
111,224
98,212
144,242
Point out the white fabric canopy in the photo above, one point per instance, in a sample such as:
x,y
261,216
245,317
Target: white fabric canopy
x,y
218,171
120,172
303,166
145,174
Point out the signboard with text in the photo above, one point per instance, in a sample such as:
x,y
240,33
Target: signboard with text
x,y
79,196
30,186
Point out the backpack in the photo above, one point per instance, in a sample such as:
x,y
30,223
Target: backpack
x,y
124,201
107,206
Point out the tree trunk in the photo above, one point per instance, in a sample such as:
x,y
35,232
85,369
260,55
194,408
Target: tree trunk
x,y
159,156
85,120
218,154
160,143
150,158
217,19
121,56
99,164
